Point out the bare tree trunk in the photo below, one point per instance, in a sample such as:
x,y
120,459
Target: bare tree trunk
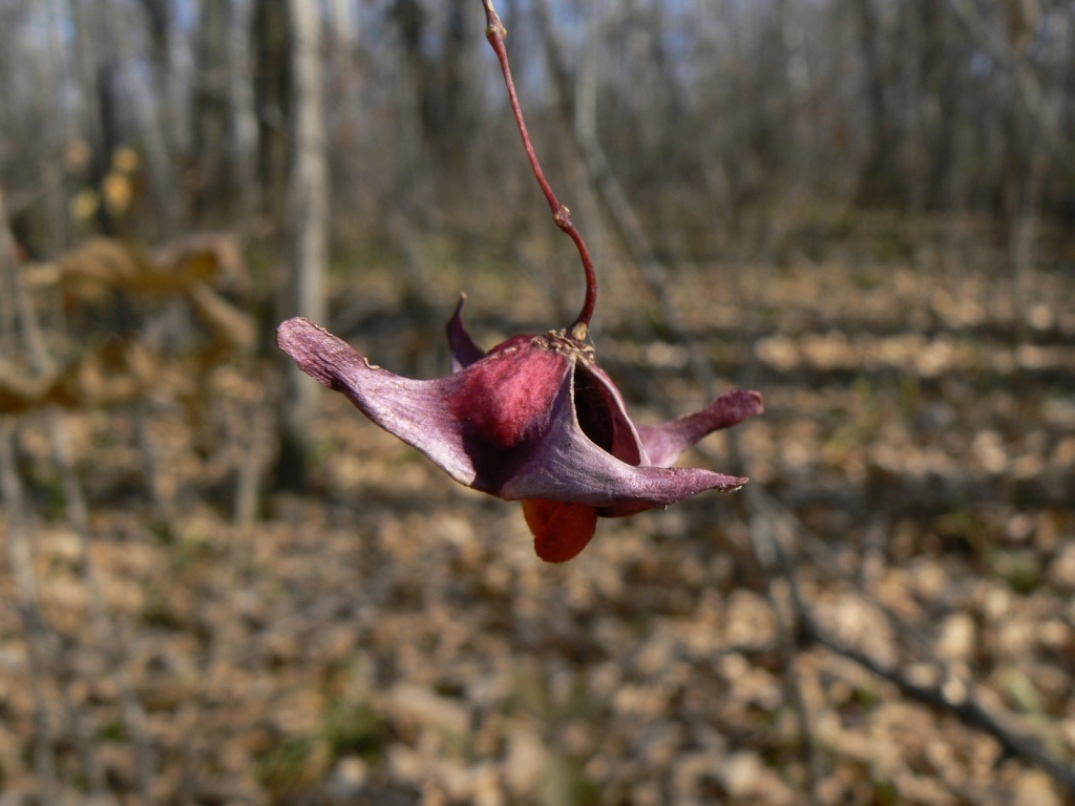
x,y
211,112
308,204
872,183
1026,225
89,35
166,57
244,127
109,644
41,647
272,101
447,108
345,120
414,192
1034,130
164,184
791,144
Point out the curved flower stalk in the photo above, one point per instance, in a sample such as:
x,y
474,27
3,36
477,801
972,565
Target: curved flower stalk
x,y
533,419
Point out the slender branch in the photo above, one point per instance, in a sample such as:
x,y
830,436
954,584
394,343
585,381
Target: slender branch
x,y
958,700
495,32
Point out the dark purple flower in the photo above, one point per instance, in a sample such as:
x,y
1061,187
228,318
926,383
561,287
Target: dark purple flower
x,y
534,419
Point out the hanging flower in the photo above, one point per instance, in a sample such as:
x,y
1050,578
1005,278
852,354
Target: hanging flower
x,y
534,419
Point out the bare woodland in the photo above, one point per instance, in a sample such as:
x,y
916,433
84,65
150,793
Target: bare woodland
x,y
221,585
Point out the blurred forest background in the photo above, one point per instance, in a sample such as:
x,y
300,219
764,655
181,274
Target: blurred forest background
x,y
221,585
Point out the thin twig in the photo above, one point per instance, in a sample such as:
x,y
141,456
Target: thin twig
x,y
955,696
495,32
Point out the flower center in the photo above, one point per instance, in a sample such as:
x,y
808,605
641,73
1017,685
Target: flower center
x,y
559,341
594,412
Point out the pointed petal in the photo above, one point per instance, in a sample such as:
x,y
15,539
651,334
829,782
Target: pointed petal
x,y
464,351
568,466
505,403
664,443
560,530
479,424
415,411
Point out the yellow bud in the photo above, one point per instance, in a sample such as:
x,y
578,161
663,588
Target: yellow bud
x,y
84,204
125,160
76,155
117,191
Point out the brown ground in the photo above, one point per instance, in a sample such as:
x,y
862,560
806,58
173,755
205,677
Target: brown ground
x,y
393,639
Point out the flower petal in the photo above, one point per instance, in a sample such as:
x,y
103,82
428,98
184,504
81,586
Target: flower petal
x,y
664,443
415,411
560,530
568,466
603,417
504,406
464,351
479,424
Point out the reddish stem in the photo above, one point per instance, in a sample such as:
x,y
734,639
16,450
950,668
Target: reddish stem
x,y
495,33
